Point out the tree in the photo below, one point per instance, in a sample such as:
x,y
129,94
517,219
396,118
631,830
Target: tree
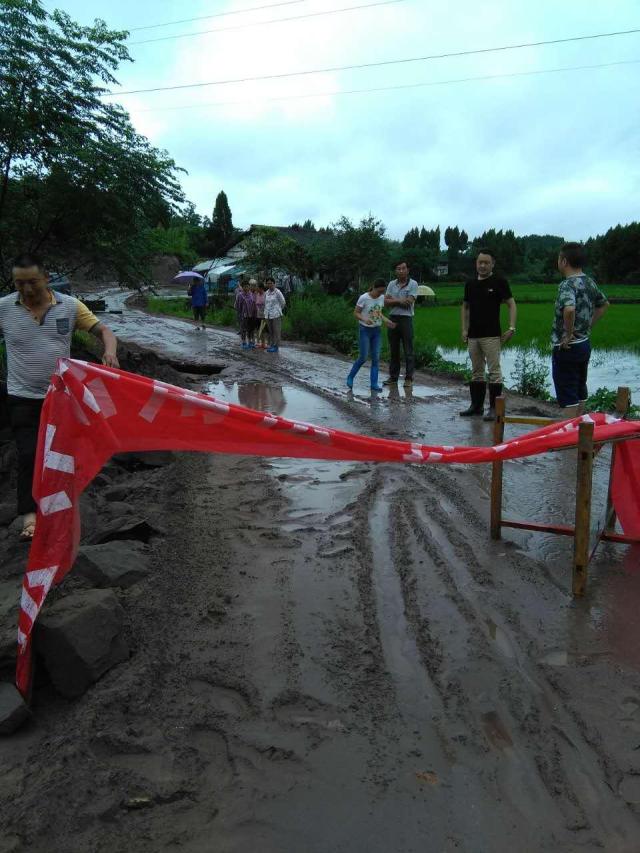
x,y
184,237
411,239
346,254
452,242
77,182
222,231
362,250
616,254
267,250
507,248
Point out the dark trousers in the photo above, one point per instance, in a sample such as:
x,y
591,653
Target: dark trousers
x,y
24,416
569,368
403,333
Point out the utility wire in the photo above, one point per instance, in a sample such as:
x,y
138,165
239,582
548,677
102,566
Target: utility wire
x,y
216,15
370,64
265,23
394,88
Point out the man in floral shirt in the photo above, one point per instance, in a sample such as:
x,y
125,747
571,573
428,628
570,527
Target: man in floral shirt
x,y
579,306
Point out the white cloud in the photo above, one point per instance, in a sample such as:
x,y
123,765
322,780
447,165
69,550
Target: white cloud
x,y
542,153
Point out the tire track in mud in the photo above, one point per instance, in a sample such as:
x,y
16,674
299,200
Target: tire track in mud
x,y
553,760
453,708
546,746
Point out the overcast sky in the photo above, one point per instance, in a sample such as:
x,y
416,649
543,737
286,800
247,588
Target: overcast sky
x,y
550,153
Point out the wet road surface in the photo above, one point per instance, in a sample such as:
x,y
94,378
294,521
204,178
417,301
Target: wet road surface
x,y
337,658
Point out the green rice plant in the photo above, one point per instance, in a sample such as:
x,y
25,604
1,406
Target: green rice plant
x,y
619,329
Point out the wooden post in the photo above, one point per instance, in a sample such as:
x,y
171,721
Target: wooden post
x,y
622,407
583,508
496,472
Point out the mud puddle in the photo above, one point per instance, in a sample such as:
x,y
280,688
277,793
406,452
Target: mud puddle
x,y
315,490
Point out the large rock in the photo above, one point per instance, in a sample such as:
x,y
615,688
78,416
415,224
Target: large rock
x,y
7,513
135,460
120,563
13,710
124,528
9,610
13,560
80,638
117,493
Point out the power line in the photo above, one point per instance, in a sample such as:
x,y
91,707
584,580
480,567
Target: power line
x,y
265,23
394,88
371,64
215,15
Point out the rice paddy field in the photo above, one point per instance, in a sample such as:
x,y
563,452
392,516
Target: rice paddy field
x,y
619,329
452,293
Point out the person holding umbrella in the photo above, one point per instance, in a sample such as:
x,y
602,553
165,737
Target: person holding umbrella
x,y
198,293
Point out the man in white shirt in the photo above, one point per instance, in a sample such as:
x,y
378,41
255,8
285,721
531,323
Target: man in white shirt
x,y
401,295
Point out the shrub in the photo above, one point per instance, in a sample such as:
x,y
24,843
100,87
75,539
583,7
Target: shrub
x,y
530,374
604,400
225,316
316,317
425,354
344,342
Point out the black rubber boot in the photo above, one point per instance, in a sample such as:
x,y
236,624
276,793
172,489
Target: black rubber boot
x,y
495,389
477,391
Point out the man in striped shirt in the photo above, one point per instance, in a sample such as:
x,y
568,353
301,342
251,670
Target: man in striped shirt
x,y
37,324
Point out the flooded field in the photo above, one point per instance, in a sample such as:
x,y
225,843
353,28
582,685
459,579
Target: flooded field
x,y
607,368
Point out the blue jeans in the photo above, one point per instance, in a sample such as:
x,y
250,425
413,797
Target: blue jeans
x,y
370,344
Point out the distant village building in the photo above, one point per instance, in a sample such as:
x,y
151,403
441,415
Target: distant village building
x,y
441,268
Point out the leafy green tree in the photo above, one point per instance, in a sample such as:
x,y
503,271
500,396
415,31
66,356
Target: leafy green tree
x,y
422,262
268,250
508,250
347,255
453,243
615,255
77,182
184,237
411,239
362,250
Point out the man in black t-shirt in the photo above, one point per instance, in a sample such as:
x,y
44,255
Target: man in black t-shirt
x,y
481,331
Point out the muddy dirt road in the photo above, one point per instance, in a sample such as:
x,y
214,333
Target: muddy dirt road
x,y
334,658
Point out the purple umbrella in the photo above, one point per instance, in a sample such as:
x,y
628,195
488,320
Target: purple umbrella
x,y
188,274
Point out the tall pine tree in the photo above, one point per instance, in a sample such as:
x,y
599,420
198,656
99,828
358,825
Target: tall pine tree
x,y
221,226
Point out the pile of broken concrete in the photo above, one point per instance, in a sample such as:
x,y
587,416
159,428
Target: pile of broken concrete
x,y
82,631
